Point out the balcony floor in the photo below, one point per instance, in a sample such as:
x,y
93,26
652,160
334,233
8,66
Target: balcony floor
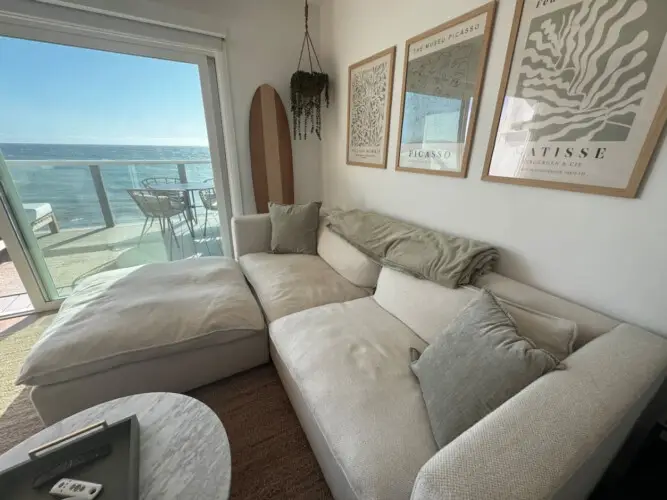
x,y
73,254
13,298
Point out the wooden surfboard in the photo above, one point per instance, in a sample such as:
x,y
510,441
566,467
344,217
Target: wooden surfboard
x,y
270,150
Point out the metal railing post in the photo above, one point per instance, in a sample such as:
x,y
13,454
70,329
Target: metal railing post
x,y
182,175
98,182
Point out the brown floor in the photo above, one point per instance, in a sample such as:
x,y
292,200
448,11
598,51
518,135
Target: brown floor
x,y
271,458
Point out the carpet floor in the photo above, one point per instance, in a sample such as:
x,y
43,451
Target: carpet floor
x,y
271,458
17,336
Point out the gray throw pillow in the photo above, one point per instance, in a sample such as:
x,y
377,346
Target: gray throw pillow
x,y
476,364
294,227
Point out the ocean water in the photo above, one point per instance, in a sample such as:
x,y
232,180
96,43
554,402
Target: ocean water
x,y
70,189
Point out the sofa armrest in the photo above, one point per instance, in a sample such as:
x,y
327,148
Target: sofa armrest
x,y
556,437
251,234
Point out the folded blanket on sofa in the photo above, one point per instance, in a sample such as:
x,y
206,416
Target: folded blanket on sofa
x,y
450,261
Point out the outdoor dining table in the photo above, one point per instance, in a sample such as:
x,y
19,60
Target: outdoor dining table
x,y
189,188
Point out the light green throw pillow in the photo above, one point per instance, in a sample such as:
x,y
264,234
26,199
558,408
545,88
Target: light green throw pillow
x,y
294,227
476,364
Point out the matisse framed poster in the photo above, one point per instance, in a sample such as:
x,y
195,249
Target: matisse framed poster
x,y
370,84
443,75
583,100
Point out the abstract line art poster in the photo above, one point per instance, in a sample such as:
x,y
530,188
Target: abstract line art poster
x,y
583,102
370,84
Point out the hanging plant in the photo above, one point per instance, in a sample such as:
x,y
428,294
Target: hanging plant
x,y
306,89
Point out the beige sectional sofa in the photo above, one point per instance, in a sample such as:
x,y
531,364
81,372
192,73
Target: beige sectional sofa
x,y
340,330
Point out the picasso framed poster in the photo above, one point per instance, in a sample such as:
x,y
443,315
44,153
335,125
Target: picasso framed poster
x,y
583,99
370,84
443,75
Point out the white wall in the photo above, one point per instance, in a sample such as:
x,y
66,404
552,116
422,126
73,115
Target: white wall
x,y
607,253
263,43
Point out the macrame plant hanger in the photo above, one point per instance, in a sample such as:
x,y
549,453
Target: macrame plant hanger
x,y
306,90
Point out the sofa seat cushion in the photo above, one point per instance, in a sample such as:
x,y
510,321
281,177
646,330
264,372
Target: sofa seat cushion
x,y
136,314
351,363
290,283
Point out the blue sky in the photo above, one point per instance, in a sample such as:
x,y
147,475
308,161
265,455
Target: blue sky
x,y
68,95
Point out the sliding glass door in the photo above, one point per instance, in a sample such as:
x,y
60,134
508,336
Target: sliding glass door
x,y
111,156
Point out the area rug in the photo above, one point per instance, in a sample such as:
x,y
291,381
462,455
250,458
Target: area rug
x,y
271,458
18,419
15,344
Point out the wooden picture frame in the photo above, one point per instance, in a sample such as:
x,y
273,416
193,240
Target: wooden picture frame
x,y
450,76
575,157
368,143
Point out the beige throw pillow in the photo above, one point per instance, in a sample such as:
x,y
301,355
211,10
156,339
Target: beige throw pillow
x,y
294,227
555,335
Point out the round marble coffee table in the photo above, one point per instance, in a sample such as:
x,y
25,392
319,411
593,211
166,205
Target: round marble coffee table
x,y
184,451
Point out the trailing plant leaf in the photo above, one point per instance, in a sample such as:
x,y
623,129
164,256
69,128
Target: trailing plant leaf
x,y
306,102
306,90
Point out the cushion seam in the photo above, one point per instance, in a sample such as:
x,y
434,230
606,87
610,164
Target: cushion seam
x,y
24,380
147,360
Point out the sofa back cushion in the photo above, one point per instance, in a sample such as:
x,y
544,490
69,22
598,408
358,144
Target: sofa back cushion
x,y
428,308
590,324
346,260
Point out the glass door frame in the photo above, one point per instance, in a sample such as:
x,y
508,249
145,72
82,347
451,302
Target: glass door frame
x,y
22,259
212,64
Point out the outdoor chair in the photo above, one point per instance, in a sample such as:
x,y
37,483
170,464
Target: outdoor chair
x,y
161,205
209,201
40,215
153,182
156,181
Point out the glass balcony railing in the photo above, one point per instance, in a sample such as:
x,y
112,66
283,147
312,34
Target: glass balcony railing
x,y
87,193
86,221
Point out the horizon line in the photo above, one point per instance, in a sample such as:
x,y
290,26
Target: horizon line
x,y
123,145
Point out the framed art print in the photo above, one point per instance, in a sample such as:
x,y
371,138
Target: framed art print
x,y
442,80
370,83
583,99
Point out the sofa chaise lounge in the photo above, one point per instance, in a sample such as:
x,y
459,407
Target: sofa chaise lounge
x,y
166,327
340,328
